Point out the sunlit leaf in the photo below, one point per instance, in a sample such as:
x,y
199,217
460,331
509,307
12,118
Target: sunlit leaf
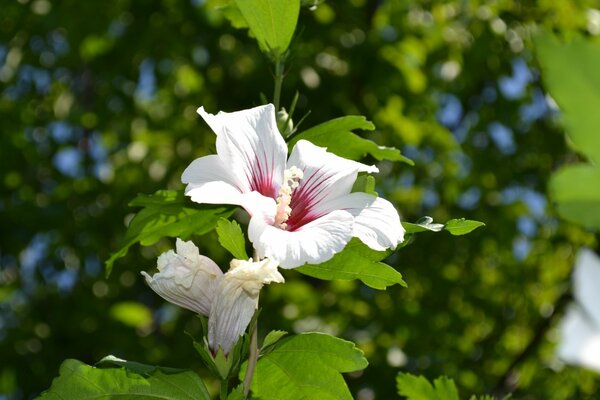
x,y
339,139
272,338
232,238
570,71
576,190
306,366
167,214
419,388
131,314
272,22
423,224
356,261
80,381
462,226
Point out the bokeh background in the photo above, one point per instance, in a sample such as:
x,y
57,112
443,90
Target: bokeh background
x,y
97,104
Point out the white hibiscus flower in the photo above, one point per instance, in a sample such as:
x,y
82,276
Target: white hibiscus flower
x,y
301,208
580,328
195,282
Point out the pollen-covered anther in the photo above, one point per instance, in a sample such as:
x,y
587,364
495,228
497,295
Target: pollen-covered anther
x,y
291,180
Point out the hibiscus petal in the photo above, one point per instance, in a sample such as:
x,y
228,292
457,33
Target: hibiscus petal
x,y
250,145
326,177
586,280
579,340
186,278
237,299
376,221
314,243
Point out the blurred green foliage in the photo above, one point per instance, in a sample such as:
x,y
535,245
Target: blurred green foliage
x,y
97,105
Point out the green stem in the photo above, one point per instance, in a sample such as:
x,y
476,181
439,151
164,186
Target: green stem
x,y
278,82
253,357
224,389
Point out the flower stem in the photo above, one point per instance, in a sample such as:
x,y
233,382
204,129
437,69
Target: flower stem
x,y
224,387
253,357
278,82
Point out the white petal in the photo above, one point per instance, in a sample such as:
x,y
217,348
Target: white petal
x,y
236,301
376,221
250,145
586,283
314,243
210,181
186,278
579,340
326,176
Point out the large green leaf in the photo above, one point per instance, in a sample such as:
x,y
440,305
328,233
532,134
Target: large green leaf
x,y
306,366
570,72
576,189
167,213
356,261
80,381
339,139
232,238
272,22
419,388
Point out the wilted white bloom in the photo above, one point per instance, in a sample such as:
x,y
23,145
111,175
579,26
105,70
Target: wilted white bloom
x,y
237,300
580,328
195,282
302,208
186,278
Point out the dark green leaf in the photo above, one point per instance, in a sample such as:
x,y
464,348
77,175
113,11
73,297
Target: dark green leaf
x,y
418,388
80,381
462,226
339,139
306,366
356,261
232,238
167,213
272,22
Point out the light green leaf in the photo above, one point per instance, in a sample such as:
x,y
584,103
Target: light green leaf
x,y
576,190
462,226
232,238
339,139
418,388
272,338
272,22
570,72
167,213
80,381
131,314
365,183
306,366
423,224
134,366
356,261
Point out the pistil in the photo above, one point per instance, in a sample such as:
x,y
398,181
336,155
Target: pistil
x,y
291,180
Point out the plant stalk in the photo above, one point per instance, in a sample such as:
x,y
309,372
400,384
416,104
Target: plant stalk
x,y
278,82
224,389
253,357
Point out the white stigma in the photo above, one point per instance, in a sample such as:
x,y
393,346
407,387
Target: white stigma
x,y
291,180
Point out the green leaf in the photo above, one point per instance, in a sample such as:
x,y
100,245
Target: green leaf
x,y
356,261
167,213
576,191
423,224
134,366
131,313
80,381
419,388
365,183
232,238
272,338
570,72
306,366
462,226
272,22
339,139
